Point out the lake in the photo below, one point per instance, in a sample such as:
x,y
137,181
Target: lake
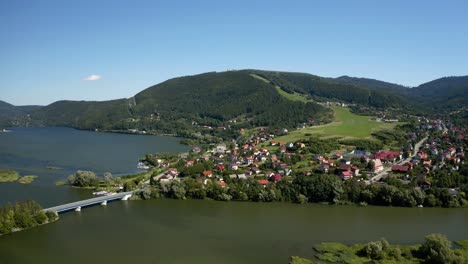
x,y
31,150
176,231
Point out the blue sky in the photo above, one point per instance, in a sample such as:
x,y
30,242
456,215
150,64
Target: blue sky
x,y
49,48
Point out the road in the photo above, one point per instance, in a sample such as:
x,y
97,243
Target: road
x,y
401,162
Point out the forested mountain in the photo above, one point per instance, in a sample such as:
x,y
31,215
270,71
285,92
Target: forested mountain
x,y
184,103
213,98
9,113
326,88
372,84
447,93
237,98
83,114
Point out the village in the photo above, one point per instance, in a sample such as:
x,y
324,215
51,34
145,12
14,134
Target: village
x,y
432,157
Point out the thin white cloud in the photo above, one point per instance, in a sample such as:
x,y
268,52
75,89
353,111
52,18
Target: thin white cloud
x,y
93,77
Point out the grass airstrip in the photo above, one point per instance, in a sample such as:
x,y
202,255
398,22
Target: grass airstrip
x,y
345,125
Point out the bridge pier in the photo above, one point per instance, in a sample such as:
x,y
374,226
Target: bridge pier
x,y
125,198
78,209
104,202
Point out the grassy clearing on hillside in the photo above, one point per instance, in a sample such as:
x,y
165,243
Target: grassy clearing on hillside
x,y
8,176
345,125
292,97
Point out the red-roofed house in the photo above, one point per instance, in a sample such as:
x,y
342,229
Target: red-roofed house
x,y
388,156
346,175
220,167
234,166
275,177
400,168
207,173
263,182
222,184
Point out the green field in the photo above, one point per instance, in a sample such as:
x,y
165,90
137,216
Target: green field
x,y
292,97
345,125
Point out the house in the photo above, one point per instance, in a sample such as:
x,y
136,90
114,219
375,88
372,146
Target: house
x,y
173,172
378,167
324,168
221,148
196,149
346,175
300,145
282,149
263,182
220,167
208,173
165,178
189,163
276,177
345,161
290,145
355,170
400,168
234,166
337,156
255,170
344,167
425,184
249,160
387,156
221,183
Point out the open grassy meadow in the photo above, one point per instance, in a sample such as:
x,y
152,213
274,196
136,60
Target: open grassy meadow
x,y
345,125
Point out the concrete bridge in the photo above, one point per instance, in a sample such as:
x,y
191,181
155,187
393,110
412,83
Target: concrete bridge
x,y
89,202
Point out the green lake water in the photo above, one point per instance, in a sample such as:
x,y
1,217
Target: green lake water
x,y
191,231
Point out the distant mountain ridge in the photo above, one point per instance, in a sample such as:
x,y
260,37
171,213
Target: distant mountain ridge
x,y
9,112
236,98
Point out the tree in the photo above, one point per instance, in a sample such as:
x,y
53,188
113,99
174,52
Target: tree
x,y
377,249
129,186
108,178
83,179
436,249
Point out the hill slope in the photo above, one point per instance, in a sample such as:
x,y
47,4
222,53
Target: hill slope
x,y
238,99
372,84
325,88
9,113
211,99
447,93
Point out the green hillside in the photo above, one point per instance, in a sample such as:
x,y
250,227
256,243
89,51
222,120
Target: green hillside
x,y
320,88
84,114
245,98
372,84
216,98
449,93
183,105
9,113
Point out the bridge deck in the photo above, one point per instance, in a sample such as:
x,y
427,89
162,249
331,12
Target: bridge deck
x,y
87,202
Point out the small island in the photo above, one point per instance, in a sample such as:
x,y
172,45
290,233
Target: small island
x,y
8,175
27,179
